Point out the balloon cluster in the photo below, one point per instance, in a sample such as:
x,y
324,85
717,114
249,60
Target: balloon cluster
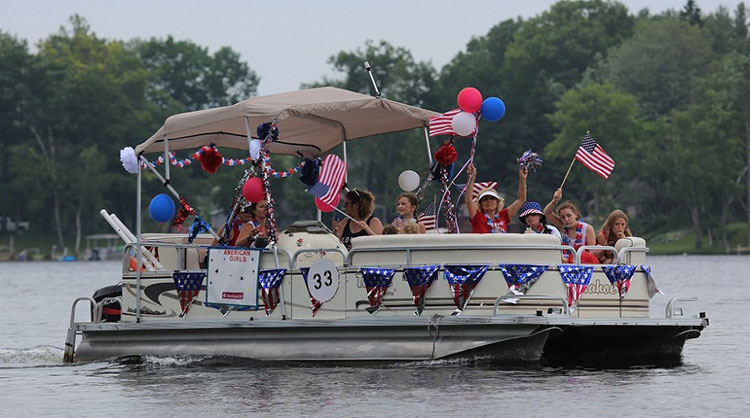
x,y
471,103
530,160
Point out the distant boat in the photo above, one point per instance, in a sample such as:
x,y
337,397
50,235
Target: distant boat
x,y
67,258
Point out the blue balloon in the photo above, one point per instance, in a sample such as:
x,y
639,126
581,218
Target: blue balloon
x,y
161,208
493,109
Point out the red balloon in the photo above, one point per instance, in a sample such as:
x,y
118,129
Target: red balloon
x,y
325,207
253,189
470,99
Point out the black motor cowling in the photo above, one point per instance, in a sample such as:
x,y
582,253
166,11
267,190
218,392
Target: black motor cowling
x,y
110,308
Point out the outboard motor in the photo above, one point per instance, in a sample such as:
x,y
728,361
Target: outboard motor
x,y
110,308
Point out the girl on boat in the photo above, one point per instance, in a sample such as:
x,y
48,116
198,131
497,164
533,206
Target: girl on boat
x,y
359,204
533,217
575,232
241,216
256,227
406,204
487,214
614,228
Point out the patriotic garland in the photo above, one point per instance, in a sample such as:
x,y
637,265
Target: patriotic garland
x,y
231,162
271,213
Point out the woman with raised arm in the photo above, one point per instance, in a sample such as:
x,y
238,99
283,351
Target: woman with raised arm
x,y
487,214
575,232
359,204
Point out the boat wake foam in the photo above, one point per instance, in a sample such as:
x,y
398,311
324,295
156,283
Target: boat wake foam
x,y
42,356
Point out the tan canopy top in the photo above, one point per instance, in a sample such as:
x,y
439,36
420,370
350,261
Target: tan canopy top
x,y
310,122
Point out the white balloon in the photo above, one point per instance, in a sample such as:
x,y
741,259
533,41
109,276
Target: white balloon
x,y
408,180
464,124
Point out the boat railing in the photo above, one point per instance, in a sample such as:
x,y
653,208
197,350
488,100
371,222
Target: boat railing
x,y
583,248
182,256
673,310
293,264
410,250
507,297
70,339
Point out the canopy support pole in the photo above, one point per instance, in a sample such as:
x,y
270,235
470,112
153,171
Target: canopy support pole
x,y
169,187
167,161
138,239
427,142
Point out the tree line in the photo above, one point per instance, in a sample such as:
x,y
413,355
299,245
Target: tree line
x,y
667,95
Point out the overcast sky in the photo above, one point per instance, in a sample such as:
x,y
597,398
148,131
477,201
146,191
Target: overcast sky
x,y
289,42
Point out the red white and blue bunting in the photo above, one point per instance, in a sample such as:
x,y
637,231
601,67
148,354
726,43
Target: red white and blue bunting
x,y
270,281
376,280
620,277
520,277
577,279
230,162
315,304
462,280
420,279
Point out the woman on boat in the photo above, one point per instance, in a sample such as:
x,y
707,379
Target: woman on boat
x,y
241,216
359,204
614,228
533,217
574,232
256,227
406,204
487,214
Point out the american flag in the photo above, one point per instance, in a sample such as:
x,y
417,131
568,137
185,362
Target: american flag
x,y
376,281
427,217
462,280
443,124
520,277
577,279
481,186
316,304
620,277
188,286
593,156
269,281
330,180
420,279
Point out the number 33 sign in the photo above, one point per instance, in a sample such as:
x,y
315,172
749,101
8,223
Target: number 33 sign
x,y
323,280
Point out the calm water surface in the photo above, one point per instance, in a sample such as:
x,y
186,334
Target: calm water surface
x,y
35,301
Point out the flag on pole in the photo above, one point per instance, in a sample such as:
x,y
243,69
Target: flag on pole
x,y
443,124
427,217
376,281
620,277
593,156
462,280
330,180
577,279
269,281
316,304
188,286
420,279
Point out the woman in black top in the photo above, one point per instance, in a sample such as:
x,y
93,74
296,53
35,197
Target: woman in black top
x,y
359,204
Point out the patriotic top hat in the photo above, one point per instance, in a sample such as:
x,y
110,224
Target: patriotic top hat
x,y
530,208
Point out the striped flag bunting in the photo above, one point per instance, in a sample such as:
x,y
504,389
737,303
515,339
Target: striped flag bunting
x,y
315,304
330,180
188,286
376,281
269,281
420,279
577,279
520,277
593,156
462,280
620,277
443,124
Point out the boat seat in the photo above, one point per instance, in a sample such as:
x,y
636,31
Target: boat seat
x,y
442,248
632,257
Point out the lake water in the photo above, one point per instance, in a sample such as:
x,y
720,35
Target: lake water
x,y
35,300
